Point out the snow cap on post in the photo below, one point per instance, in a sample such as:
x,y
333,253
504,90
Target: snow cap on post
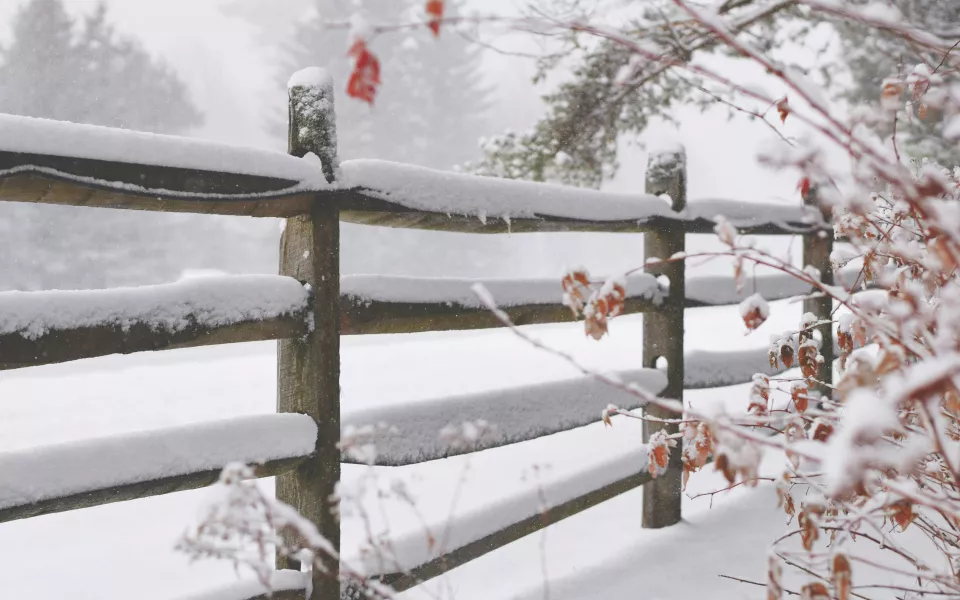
x,y
666,173
313,121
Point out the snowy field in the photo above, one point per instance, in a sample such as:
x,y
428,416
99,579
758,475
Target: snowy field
x,y
108,552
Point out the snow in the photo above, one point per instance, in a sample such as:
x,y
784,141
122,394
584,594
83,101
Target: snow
x,y
454,193
69,402
751,214
507,292
47,472
411,548
197,301
280,582
444,192
360,28
667,147
310,77
410,186
30,135
517,414
951,130
721,289
855,448
754,303
707,369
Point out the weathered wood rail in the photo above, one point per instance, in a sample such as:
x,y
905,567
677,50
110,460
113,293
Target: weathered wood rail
x,y
160,173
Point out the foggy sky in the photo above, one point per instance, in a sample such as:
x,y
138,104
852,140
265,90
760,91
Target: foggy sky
x,y
231,79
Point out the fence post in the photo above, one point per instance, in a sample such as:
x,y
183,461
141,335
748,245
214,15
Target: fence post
x,y
817,247
308,368
663,332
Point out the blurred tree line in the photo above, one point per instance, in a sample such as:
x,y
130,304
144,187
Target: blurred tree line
x,y
80,69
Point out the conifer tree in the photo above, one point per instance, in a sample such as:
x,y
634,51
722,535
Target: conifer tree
x,y
57,68
575,142
431,108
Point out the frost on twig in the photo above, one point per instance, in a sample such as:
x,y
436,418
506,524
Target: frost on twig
x,y
245,526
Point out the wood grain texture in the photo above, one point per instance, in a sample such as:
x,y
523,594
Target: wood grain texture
x,y
360,316
817,248
134,491
372,207
308,368
363,207
64,345
103,184
663,336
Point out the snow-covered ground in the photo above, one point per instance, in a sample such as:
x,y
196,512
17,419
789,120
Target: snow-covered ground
x,y
112,551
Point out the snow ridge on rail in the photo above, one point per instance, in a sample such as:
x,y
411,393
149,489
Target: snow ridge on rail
x,y
429,190
31,135
44,473
518,414
411,549
205,301
712,290
443,290
721,290
409,186
280,581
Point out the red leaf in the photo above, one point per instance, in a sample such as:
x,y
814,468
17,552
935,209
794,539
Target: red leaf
x,y
814,591
435,11
902,514
365,78
800,396
804,187
841,576
783,108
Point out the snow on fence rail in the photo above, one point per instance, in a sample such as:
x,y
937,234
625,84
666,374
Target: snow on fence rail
x,y
378,304
91,472
517,414
472,534
66,163
61,163
397,195
57,326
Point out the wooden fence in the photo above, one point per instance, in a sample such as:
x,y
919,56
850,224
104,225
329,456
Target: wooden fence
x,y
307,327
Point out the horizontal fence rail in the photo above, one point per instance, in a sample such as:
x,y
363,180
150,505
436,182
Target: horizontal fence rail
x,y
537,520
310,306
43,186
125,321
518,414
378,304
76,475
64,163
396,195
468,534
39,328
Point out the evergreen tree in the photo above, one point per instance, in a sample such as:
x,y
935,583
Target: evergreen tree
x,y
431,107
56,68
608,95
40,60
430,110
871,56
